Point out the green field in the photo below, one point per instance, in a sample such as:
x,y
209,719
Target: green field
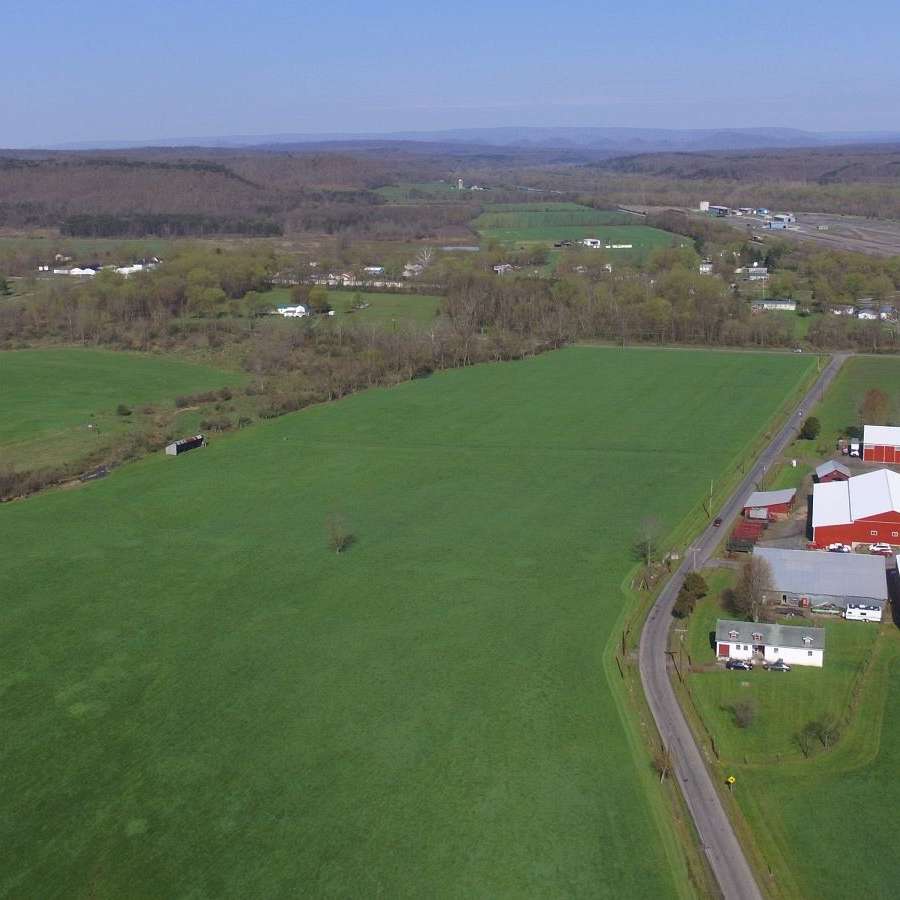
x,y
783,705
116,249
206,701
49,397
551,222
858,374
384,309
856,793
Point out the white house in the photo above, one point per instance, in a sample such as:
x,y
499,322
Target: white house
x,y
593,243
706,267
503,268
762,642
868,315
774,304
292,312
374,270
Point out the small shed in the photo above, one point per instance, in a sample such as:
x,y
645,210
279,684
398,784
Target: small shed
x,y
775,503
176,448
831,471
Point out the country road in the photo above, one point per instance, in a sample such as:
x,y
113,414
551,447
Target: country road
x,y
726,857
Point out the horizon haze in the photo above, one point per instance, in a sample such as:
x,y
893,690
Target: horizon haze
x,y
132,75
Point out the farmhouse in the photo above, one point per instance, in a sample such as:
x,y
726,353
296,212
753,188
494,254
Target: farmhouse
x,y
823,583
881,443
865,508
831,471
292,312
796,645
773,503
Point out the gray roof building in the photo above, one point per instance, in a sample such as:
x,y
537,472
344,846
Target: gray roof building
x,y
770,498
819,574
797,637
831,466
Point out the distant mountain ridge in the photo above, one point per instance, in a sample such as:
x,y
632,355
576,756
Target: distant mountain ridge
x,y
613,140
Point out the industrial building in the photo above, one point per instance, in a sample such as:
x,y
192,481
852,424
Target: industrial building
x,y
760,641
862,509
823,583
881,443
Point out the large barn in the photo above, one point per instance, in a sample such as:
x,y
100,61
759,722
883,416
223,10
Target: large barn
x,y
853,585
863,509
881,443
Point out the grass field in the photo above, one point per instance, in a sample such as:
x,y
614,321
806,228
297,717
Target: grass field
x,y
208,702
49,397
783,705
550,222
385,309
824,824
117,249
858,375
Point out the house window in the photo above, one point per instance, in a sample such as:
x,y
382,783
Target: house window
x,y
895,534
757,636
809,652
732,634
775,650
874,533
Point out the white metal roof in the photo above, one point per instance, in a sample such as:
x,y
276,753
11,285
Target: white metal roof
x,y
827,574
769,498
888,435
831,504
843,502
873,493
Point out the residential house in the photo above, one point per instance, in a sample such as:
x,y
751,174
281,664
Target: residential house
x,y
762,642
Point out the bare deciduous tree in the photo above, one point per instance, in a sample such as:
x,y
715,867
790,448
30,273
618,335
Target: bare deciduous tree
x,y
340,537
748,597
646,544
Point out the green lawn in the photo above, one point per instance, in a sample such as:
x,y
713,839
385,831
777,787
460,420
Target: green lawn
x,y
48,398
207,702
858,375
783,703
548,223
385,309
826,825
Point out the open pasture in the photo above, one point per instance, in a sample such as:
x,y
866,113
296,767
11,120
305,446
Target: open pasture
x,y
208,701
49,397
548,223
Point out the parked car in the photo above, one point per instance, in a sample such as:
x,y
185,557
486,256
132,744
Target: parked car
x,y
742,664
839,548
778,666
881,549
717,521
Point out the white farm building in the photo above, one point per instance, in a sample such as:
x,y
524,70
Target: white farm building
x,y
762,642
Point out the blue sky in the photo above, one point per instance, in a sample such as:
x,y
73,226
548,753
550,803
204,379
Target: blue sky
x,y
104,70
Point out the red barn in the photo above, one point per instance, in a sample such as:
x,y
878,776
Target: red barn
x,y
774,503
865,509
881,443
831,471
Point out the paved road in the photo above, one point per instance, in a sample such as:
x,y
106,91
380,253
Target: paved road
x,y
719,842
